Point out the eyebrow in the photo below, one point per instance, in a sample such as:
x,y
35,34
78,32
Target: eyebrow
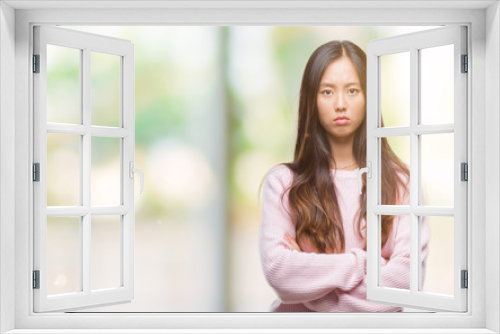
x,y
327,84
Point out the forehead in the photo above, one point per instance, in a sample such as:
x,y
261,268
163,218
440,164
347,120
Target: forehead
x,y
341,70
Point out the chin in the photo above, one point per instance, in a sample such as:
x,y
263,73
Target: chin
x,y
343,134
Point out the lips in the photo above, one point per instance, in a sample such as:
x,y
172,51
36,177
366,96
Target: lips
x,y
342,120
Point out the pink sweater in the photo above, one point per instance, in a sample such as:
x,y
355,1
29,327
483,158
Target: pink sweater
x,y
306,281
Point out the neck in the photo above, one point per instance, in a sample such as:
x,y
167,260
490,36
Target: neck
x,y
342,152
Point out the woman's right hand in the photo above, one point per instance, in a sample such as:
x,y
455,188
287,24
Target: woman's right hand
x,y
292,243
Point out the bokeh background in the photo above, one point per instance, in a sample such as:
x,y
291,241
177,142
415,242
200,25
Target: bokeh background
x,y
215,109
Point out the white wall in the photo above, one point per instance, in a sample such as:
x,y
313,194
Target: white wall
x,y
492,164
7,60
490,188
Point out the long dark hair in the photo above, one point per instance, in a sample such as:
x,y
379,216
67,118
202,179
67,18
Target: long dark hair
x,y
313,198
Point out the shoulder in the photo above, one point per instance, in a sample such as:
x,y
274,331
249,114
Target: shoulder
x,y
280,173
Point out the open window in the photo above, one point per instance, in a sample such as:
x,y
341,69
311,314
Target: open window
x,y
430,134
77,210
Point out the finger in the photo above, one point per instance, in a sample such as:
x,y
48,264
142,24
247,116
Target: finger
x,y
288,238
294,245
287,241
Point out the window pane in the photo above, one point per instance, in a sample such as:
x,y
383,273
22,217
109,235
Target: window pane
x,y
391,251
438,267
437,169
63,255
63,170
395,89
106,171
401,148
437,85
105,78
106,252
63,85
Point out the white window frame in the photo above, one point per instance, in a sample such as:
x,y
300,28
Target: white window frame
x,y
483,21
413,44
85,43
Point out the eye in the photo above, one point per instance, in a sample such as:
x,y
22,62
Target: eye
x,y
353,91
327,92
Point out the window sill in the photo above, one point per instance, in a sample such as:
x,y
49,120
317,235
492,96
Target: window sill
x,y
246,331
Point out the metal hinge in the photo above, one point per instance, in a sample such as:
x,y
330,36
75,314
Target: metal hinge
x,y
464,171
465,64
36,63
36,172
465,279
36,279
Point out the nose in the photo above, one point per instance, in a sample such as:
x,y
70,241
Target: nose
x,y
339,103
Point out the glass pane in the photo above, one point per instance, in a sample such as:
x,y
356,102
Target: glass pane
x,y
63,255
437,169
63,85
438,256
105,78
106,254
395,247
63,170
437,85
395,89
106,171
400,146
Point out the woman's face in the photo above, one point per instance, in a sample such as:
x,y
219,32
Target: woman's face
x,y
341,103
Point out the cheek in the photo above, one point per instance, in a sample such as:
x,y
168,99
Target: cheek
x,y
322,121
323,113
360,109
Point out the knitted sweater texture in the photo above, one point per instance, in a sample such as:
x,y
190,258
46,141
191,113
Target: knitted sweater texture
x,y
310,282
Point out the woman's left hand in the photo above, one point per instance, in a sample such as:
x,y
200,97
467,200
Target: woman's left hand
x,y
292,243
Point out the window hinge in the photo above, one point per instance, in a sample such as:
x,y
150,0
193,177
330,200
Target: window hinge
x,y
36,279
464,172
465,64
36,172
36,63
465,279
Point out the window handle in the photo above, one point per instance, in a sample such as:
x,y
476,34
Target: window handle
x,y
367,170
136,170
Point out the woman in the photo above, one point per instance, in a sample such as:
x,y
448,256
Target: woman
x,y
313,230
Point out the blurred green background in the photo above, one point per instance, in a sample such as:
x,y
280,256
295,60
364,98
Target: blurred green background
x,y
215,109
